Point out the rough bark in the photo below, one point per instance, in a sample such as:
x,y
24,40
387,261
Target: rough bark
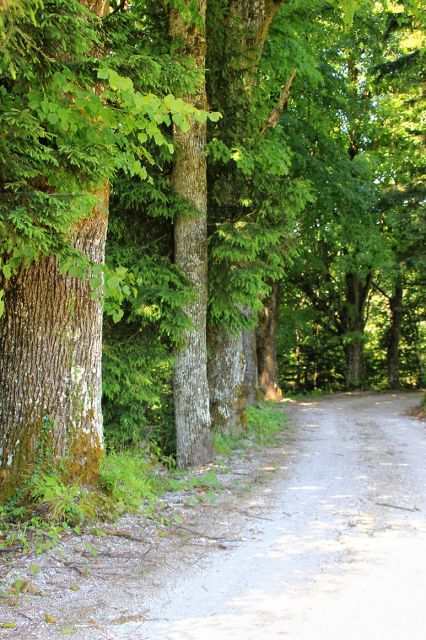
x,y
352,318
226,378
50,359
394,336
266,335
251,379
191,395
50,363
354,354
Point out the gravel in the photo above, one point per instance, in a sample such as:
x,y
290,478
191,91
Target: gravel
x,y
322,537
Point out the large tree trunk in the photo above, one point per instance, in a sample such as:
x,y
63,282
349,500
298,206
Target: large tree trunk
x,y
267,347
354,354
50,359
394,336
191,394
251,378
352,322
226,378
50,364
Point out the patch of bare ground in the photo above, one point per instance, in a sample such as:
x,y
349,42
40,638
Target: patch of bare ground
x,y
418,412
60,591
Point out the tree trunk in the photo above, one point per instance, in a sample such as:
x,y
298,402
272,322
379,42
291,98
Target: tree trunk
x,y
394,336
251,379
50,359
352,324
354,353
233,66
267,347
226,378
191,395
50,364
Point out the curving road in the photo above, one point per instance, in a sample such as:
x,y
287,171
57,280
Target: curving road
x,y
342,554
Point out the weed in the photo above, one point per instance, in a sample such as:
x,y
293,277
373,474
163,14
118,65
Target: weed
x,y
34,570
56,501
130,478
38,516
265,423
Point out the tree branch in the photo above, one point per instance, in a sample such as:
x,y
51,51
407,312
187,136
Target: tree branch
x,y
277,111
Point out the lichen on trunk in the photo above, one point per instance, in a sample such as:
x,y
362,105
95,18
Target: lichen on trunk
x,y
50,362
226,368
189,180
354,353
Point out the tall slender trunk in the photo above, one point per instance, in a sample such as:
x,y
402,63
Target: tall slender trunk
x,y
50,359
251,377
266,334
226,378
394,336
191,394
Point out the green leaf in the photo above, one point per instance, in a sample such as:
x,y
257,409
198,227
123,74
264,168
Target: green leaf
x,y
215,116
103,74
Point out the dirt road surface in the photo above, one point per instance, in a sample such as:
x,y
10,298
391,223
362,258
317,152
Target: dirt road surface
x,y
329,544
344,554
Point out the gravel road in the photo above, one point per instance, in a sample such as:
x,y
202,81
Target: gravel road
x,y
322,538
343,555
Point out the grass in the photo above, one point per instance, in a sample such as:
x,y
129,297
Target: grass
x,y
264,423
128,481
314,393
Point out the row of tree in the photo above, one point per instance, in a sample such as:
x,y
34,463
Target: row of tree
x,y
258,165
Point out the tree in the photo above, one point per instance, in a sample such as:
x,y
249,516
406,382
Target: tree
x,y
397,83
267,346
51,328
348,244
191,396
71,121
236,34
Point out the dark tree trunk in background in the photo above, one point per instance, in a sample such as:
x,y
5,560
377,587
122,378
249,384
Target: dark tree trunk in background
x,y
394,336
226,368
266,335
50,359
189,180
354,355
353,318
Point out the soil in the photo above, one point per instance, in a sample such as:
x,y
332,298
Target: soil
x,y
321,537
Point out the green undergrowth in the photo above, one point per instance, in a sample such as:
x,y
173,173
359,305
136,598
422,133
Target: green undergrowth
x,y
129,481
314,393
264,423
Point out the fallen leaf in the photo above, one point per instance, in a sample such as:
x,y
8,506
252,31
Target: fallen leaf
x,y
49,618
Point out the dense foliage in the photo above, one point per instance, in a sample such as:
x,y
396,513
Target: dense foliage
x,y
314,182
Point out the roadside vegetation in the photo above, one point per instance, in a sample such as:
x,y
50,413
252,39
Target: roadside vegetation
x,y
130,481
204,205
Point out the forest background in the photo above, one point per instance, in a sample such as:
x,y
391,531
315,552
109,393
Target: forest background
x,y
259,167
